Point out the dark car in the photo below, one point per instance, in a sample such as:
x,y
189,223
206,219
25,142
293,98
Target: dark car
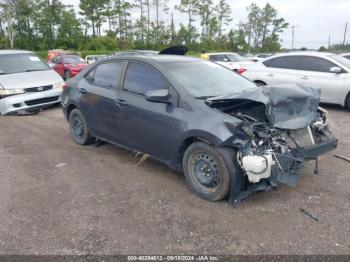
x,y
228,136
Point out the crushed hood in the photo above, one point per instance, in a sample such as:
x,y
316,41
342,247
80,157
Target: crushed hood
x,y
291,106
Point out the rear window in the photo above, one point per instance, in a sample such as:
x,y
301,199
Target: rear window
x,y
19,63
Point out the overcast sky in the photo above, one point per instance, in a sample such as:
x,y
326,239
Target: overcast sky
x,y
315,20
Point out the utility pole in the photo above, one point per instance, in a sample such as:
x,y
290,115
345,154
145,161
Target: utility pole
x,y
346,27
293,28
329,42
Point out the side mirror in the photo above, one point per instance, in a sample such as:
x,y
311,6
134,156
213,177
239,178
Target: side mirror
x,y
158,96
335,69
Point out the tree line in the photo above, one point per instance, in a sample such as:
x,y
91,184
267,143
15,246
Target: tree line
x,y
141,24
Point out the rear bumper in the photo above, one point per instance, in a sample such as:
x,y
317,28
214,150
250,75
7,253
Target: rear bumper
x,y
29,101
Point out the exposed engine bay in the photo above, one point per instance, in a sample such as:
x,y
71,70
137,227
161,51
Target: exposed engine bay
x,y
279,131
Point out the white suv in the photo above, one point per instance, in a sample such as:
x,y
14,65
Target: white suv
x,y
329,72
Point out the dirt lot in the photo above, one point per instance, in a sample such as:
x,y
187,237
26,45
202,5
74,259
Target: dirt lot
x,y
61,198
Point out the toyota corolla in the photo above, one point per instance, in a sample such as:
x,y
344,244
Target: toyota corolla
x,y
229,137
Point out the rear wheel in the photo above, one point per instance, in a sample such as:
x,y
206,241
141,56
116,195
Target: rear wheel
x,y
79,129
207,172
347,102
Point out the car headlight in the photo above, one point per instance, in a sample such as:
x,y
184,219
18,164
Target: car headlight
x,y
59,86
9,92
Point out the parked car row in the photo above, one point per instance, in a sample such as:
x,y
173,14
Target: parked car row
x,y
329,72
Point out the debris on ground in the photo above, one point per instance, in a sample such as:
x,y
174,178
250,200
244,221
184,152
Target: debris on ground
x,y
59,165
308,214
342,157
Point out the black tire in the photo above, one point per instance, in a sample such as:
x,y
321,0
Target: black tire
x,y
79,129
347,102
210,182
260,83
67,75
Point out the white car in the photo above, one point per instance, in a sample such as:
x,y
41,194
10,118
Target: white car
x,y
232,61
329,72
27,83
346,55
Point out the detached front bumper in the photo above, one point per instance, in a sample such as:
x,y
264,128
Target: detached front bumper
x,y
29,101
286,168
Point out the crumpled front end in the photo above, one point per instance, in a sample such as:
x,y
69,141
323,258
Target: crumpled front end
x,y
281,128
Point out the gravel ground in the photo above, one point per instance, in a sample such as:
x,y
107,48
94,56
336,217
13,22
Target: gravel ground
x,y
61,198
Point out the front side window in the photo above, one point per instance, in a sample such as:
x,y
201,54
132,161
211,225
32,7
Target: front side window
x,y
20,63
286,62
73,60
140,79
106,75
316,64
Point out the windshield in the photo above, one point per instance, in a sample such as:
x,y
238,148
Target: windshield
x,y
207,79
19,63
73,60
236,58
341,60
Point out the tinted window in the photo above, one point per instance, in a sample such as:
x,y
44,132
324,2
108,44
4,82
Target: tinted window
x,y
347,56
73,60
310,63
105,75
213,58
140,79
287,62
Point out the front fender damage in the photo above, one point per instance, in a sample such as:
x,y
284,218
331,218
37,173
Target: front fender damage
x,y
273,146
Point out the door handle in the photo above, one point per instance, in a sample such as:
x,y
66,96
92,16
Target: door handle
x,y
304,77
120,102
82,90
270,74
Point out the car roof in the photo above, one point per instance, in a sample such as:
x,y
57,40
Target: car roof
x,y
155,58
14,51
221,53
303,53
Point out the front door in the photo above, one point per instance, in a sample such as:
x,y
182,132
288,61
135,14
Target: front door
x,y
143,125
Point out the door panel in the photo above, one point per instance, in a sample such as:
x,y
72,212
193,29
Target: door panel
x,y
315,72
281,70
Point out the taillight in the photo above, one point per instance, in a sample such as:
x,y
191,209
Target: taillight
x,y
65,86
241,71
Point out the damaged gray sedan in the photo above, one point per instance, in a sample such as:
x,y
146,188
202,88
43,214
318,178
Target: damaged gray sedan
x,y
229,137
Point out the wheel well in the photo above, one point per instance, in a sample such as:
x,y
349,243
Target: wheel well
x,y
188,141
259,81
69,109
346,101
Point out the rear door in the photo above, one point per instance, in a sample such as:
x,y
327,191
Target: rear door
x,y
281,70
315,71
98,98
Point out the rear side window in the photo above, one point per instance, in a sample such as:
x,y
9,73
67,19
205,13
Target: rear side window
x,y
286,62
316,64
140,79
106,75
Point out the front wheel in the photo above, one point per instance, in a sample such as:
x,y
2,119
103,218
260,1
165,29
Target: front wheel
x,y
79,129
207,172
